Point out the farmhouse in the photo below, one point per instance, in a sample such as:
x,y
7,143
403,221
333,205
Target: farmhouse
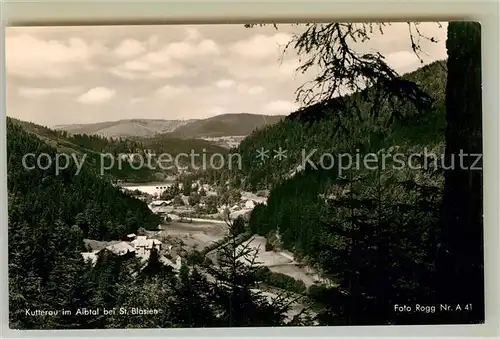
x,y
90,256
143,245
160,207
120,248
176,266
140,246
249,204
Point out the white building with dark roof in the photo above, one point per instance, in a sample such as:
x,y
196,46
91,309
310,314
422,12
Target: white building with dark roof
x,y
250,204
120,248
176,266
90,256
143,245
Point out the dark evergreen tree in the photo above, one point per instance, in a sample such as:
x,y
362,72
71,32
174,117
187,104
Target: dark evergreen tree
x,y
461,253
192,305
236,300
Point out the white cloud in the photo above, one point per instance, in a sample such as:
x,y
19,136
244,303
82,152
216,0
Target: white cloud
x,y
188,49
153,42
208,47
280,107
178,50
148,68
172,72
120,72
289,67
137,65
261,46
129,48
96,95
168,91
193,34
225,83
255,90
137,100
402,61
31,57
36,92
274,70
165,62
171,55
249,90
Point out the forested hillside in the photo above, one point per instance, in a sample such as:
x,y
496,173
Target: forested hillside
x,y
99,149
224,125
67,198
378,231
322,128
327,127
50,215
164,143
95,147
371,230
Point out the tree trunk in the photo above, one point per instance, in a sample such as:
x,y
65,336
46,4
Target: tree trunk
x,y
460,264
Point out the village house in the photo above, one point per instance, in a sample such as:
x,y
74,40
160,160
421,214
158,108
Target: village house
x,y
176,266
143,245
120,248
249,204
90,256
160,207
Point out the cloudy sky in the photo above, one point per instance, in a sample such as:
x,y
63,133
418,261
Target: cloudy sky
x,y
66,75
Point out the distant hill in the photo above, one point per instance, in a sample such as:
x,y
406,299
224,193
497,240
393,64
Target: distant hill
x,y
66,143
95,145
234,124
125,128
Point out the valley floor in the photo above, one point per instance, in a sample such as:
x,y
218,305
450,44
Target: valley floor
x,y
183,235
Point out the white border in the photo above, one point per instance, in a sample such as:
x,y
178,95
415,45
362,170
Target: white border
x,y
162,12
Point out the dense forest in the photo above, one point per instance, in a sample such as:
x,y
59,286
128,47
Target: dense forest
x,y
310,129
382,235
50,215
42,196
386,235
380,232
371,231
119,158
96,150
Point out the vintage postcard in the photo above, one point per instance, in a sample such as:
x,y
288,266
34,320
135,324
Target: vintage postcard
x,y
244,175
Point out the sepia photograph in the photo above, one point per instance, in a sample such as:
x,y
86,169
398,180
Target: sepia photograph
x,y
244,175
